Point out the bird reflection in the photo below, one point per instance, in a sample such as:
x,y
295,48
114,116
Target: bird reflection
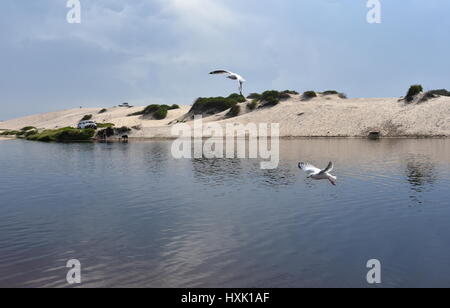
x,y
421,175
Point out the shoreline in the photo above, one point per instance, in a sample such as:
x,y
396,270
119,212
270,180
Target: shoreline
x,y
321,117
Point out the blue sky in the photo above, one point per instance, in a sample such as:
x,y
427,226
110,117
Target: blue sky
x,y
154,51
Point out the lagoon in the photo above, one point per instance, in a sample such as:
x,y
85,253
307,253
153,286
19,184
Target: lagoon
x,y
135,216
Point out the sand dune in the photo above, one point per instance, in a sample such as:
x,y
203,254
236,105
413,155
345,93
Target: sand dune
x,y
327,116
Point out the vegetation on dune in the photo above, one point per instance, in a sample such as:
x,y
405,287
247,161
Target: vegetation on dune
x,y
10,133
254,96
111,131
234,111
309,95
66,134
103,111
159,112
104,125
213,105
330,92
27,128
87,117
413,91
434,94
253,105
273,97
291,92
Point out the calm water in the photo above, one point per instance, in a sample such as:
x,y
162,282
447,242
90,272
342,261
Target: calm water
x,y
134,216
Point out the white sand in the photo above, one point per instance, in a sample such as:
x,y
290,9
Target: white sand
x,y
327,116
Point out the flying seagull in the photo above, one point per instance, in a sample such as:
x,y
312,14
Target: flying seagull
x,y
232,76
317,174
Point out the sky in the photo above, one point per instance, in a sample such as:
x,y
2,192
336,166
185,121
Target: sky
x,y
160,51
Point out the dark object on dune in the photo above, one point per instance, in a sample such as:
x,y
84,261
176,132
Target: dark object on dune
x,y
309,95
125,138
413,91
374,135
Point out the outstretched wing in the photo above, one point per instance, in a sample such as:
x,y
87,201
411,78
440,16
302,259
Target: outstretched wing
x,y
220,72
329,168
308,168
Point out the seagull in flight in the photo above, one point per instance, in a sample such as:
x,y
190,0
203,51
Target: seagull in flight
x,y
232,76
317,174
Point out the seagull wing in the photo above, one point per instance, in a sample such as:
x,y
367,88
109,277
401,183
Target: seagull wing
x,y
220,72
308,168
329,168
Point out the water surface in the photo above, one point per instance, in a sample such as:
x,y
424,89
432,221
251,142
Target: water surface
x,y
134,216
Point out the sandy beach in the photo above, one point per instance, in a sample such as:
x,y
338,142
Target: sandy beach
x,y
326,116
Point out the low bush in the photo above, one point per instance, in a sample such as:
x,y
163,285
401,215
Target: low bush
x,y
27,128
87,117
10,133
105,125
30,133
174,106
413,91
103,111
291,92
161,113
271,98
342,95
309,95
254,96
238,98
122,130
66,134
253,105
212,105
234,111
138,113
330,92
441,92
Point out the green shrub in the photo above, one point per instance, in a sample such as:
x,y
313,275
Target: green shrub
x,y
151,109
27,128
271,98
103,111
174,106
441,92
30,132
254,96
309,94
161,113
413,91
10,133
331,92
237,97
105,133
70,135
66,134
138,113
105,125
122,130
235,111
253,105
291,92
87,117
212,105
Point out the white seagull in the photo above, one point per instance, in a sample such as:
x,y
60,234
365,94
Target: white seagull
x,y
232,76
317,174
